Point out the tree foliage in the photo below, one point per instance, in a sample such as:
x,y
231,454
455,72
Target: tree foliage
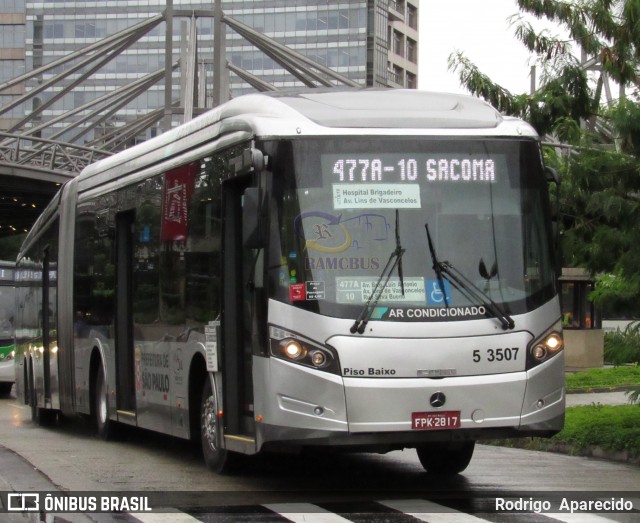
x,y
600,209
600,191
605,29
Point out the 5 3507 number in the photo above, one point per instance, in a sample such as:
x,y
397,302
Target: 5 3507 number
x,y
491,355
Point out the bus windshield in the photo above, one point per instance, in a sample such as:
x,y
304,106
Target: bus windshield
x,y
342,208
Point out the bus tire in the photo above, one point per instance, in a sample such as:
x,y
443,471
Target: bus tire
x,y
46,417
33,400
5,389
43,417
217,459
26,390
445,458
104,426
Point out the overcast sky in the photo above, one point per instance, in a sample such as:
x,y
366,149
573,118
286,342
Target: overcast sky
x,y
478,28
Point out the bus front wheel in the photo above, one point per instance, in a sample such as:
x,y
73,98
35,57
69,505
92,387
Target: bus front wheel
x,y
216,458
446,458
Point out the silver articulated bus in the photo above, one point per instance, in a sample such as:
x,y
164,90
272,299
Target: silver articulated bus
x,y
369,270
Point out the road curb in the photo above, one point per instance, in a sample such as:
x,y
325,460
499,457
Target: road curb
x,y
592,390
592,451
620,456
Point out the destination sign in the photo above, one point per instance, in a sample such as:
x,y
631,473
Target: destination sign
x,y
412,168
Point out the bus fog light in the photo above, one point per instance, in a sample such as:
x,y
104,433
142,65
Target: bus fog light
x,y
539,352
318,411
540,404
318,358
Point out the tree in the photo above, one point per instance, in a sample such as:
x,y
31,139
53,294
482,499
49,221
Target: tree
x,y
600,191
601,211
608,31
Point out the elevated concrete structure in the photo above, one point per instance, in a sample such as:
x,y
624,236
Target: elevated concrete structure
x,y
33,168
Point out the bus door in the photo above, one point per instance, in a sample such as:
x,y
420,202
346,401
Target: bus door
x,y
124,356
236,321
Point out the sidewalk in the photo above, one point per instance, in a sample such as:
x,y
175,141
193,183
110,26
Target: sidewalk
x,y
594,398
18,475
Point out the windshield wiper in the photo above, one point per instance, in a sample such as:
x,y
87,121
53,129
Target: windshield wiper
x,y
470,290
437,266
394,260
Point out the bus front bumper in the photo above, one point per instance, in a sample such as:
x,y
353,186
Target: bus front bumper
x,y
307,407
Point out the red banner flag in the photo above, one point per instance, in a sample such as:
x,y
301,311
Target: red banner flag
x,y
176,195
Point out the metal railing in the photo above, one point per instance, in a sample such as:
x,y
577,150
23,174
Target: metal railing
x,y
50,155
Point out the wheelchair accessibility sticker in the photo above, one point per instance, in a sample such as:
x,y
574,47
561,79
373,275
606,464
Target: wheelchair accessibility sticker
x,y
437,291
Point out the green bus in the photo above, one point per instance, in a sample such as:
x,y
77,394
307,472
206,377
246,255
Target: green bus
x,y
7,341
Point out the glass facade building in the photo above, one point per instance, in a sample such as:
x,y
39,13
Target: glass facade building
x,y
372,42
333,34
12,55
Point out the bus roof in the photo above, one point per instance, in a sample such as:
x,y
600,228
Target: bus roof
x,y
309,112
390,108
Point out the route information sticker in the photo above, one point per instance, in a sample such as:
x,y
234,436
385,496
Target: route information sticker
x,y
358,290
376,196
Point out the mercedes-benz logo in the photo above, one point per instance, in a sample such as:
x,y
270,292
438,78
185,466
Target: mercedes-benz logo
x,y
437,399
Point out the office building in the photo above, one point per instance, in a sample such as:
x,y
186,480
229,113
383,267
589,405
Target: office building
x,y
373,42
12,55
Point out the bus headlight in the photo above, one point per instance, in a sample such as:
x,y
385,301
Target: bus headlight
x,y
544,348
293,348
